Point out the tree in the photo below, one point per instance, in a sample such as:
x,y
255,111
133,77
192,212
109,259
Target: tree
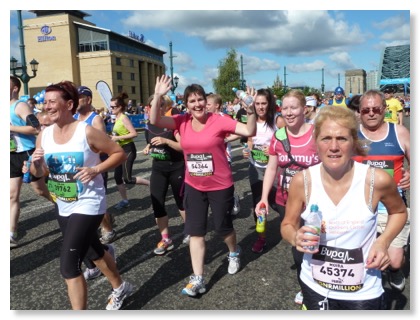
x,y
229,76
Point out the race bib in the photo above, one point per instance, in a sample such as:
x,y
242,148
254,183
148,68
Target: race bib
x,y
13,146
338,269
289,173
258,155
200,164
160,154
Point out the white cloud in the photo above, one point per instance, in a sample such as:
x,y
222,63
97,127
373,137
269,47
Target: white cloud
x,y
342,59
307,67
277,32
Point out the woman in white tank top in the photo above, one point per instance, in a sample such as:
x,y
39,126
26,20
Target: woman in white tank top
x,y
345,272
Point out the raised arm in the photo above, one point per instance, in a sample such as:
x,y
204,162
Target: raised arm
x,y
163,85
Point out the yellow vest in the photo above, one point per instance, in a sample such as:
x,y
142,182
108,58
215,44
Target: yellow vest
x,y
341,104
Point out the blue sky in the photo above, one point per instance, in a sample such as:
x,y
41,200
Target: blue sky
x,y
302,41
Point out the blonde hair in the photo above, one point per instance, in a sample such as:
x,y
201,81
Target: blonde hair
x,y
167,101
346,118
298,94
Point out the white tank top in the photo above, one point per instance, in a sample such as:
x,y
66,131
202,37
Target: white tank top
x,y
262,139
71,195
347,234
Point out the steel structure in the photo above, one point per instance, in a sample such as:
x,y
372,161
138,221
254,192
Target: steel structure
x,y
394,67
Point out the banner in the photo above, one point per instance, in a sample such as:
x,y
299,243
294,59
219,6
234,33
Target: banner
x,y
105,93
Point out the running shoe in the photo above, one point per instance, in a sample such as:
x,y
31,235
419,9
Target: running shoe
x,y
299,298
13,241
259,245
236,205
122,204
397,279
186,239
108,237
116,299
164,246
234,261
195,286
91,274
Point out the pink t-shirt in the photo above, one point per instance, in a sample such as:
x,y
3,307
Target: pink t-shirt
x,y
303,150
207,168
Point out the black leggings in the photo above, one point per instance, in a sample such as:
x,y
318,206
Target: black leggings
x,y
159,184
124,171
80,239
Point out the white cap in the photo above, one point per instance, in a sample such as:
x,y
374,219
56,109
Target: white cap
x,y
310,101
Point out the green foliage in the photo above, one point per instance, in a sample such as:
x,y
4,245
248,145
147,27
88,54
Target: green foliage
x,y
229,76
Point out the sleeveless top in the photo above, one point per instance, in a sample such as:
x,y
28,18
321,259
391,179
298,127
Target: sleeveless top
x,y
342,103
348,231
386,154
259,141
121,130
71,195
88,120
303,151
22,142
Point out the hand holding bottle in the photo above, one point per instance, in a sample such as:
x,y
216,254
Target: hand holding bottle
x,y
313,221
246,152
261,218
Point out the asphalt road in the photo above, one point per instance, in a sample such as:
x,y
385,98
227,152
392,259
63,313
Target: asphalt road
x,y
266,281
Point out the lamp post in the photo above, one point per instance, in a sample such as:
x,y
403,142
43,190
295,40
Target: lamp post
x,y
174,81
243,81
23,76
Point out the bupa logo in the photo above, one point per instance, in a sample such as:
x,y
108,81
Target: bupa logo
x,y
46,30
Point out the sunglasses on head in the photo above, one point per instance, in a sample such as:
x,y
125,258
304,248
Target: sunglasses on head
x,y
376,110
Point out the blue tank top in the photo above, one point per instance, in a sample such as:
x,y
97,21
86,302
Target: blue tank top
x,y
24,142
89,119
386,154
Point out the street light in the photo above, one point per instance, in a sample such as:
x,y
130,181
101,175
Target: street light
x,y
24,76
174,82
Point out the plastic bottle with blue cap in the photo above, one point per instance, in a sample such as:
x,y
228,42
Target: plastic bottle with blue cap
x,y
314,221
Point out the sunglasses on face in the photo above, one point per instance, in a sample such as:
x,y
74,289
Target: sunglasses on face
x,y
113,107
376,110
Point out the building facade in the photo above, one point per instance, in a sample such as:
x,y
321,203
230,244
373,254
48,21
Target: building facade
x,y
355,82
68,47
372,80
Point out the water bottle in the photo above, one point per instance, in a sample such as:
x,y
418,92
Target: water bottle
x,y
246,98
314,221
27,174
261,219
246,150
